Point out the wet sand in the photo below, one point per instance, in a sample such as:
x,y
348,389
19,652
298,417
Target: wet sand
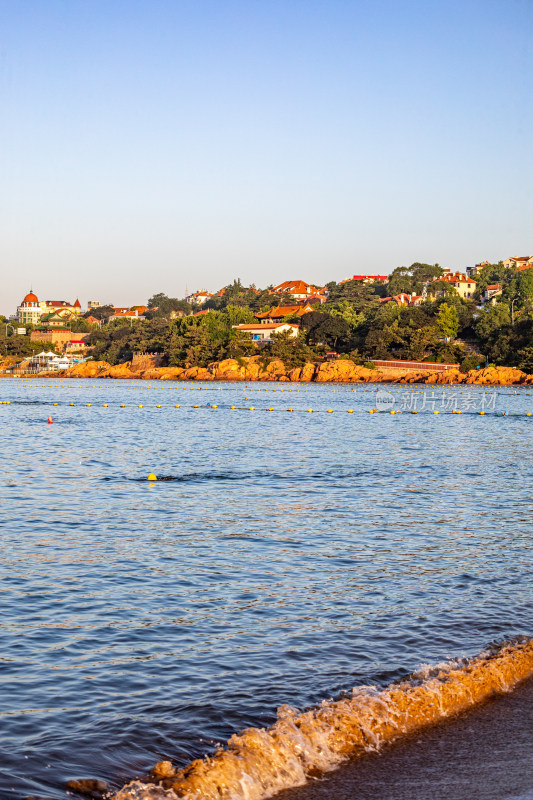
x,y
483,754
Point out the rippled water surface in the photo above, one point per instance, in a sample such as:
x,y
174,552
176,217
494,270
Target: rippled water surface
x,y
288,557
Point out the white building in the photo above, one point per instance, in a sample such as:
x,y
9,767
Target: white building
x,y
50,362
198,297
30,310
262,332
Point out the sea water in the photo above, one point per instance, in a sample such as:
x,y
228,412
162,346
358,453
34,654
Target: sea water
x,y
281,558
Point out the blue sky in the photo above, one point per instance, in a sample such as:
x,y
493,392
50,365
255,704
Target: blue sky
x,y
150,145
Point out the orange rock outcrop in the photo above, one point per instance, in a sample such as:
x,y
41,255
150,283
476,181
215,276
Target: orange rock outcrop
x,y
254,368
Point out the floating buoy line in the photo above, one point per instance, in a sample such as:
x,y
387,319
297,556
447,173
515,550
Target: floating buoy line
x,y
461,390
214,407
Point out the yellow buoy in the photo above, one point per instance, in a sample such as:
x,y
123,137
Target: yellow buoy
x,y
88,404
195,406
414,412
435,412
289,409
158,406
350,410
528,413
71,404
141,405
252,408
270,409
214,406
232,407
177,405
330,411
106,405
309,410
482,413
151,477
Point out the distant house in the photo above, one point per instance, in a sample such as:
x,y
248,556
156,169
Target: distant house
x,y
316,299
465,287
278,313
300,290
53,320
519,262
62,306
492,292
30,312
131,315
263,332
93,321
473,271
199,297
76,346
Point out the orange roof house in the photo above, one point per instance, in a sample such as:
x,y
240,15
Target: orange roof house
x,y
520,262
298,289
463,285
125,315
199,297
279,312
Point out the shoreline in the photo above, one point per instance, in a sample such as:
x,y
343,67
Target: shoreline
x,y
247,370
337,738
482,753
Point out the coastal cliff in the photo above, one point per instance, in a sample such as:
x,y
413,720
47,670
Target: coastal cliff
x,y
253,369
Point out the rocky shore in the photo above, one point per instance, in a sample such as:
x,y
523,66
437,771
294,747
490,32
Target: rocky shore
x,y
251,369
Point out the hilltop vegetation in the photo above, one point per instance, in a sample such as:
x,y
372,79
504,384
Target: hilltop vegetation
x,y
355,322
352,322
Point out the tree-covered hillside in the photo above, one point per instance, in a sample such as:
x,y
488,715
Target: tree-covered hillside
x,y
356,322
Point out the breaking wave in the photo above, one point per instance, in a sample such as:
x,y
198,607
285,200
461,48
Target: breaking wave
x,y
259,762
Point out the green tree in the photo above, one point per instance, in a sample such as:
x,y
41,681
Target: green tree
x,y
101,313
448,320
348,312
524,360
525,284
492,320
160,305
421,344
